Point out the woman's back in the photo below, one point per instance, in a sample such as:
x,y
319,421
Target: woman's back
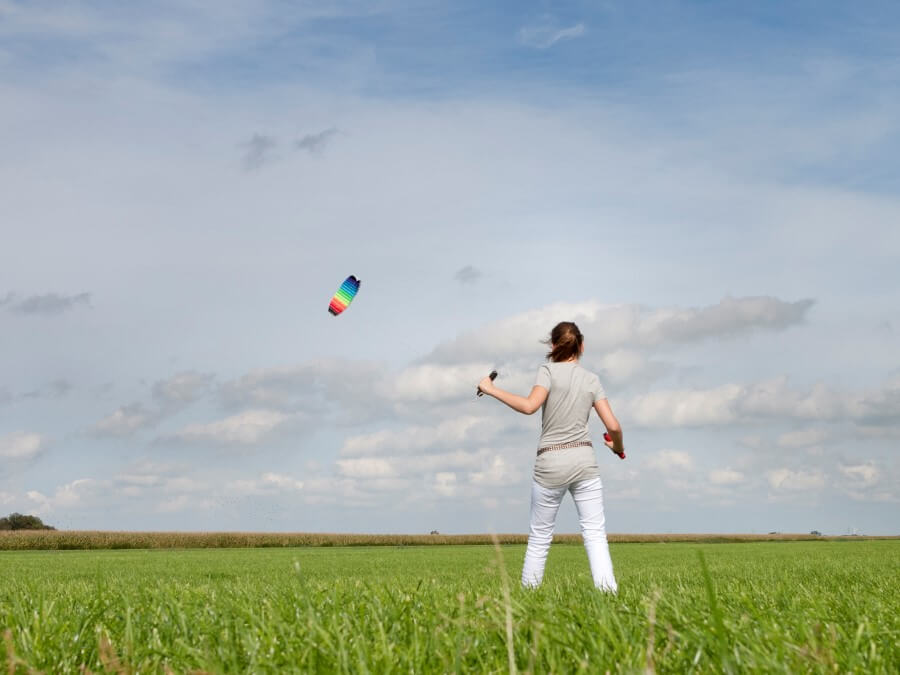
x,y
572,393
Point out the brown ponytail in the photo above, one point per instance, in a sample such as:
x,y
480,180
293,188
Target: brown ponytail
x,y
565,342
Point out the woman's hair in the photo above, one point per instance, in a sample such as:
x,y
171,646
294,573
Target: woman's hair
x,y
565,341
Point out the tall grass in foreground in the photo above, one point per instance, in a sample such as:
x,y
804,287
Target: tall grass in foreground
x,y
766,607
75,540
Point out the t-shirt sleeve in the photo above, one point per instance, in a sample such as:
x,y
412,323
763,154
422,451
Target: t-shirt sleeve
x,y
543,377
599,392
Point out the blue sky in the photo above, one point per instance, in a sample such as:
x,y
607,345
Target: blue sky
x,y
709,189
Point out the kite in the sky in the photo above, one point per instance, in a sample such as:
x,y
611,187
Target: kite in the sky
x,y
344,295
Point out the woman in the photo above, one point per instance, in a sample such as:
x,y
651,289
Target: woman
x,y
566,392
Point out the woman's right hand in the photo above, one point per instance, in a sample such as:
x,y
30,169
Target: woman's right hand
x,y
486,385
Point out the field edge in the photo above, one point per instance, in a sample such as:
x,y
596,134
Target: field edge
x,y
28,540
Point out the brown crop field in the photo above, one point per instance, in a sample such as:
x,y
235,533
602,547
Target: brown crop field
x,y
81,540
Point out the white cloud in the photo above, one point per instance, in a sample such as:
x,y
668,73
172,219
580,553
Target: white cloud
x,y
752,441
482,466
125,421
367,467
267,483
875,431
731,316
445,483
612,327
66,497
490,503
725,477
139,479
863,475
880,406
282,481
670,461
171,395
546,34
174,504
772,399
182,389
498,472
685,407
355,388
184,484
21,445
434,383
468,430
628,366
246,428
795,480
150,474
801,438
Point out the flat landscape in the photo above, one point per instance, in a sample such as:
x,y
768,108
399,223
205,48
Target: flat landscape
x,y
792,606
88,539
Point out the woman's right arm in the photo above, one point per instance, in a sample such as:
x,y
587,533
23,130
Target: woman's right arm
x,y
612,426
526,405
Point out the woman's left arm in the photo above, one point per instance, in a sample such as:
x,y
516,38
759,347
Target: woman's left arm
x,y
525,405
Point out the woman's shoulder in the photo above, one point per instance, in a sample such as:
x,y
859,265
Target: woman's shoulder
x,y
593,384
586,371
544,376
589,375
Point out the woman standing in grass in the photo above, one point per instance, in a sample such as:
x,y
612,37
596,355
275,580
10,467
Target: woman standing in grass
x,y
566,392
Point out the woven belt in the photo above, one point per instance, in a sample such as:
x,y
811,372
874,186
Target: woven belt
x,y
563,446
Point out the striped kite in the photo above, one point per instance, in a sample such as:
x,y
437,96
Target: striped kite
x,y
344,295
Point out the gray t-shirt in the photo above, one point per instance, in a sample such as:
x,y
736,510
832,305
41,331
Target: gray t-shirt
x,y
573,391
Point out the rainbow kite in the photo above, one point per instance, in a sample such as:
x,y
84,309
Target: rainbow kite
x,y
344,295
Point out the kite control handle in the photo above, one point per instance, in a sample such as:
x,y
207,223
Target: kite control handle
x,y
608,439
493,377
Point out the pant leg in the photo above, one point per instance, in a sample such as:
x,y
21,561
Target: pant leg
x,y
588,496
544,506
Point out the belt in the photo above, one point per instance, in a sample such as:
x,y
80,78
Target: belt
x,y
563,446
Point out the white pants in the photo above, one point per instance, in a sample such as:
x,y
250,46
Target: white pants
x,y
588,496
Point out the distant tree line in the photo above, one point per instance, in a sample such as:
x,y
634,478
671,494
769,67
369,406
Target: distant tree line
x,y
17,521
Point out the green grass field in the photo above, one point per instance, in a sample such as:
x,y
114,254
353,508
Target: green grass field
x,y
764,607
